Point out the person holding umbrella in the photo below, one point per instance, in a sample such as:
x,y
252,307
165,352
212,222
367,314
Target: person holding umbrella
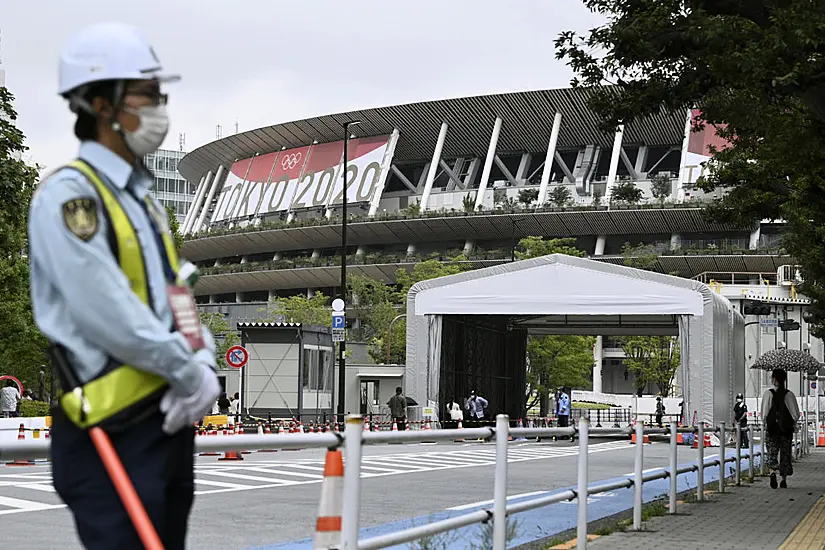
x,y
779,412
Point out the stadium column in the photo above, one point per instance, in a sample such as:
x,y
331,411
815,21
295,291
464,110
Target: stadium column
x,y
548,160
386,168
753,243
187,220
597,365
428,185
614,164
212,190
485,174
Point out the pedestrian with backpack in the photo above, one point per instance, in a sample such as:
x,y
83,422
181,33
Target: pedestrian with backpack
x,y
780,412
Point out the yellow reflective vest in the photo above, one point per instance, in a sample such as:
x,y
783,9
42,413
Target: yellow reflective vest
x,y
119,389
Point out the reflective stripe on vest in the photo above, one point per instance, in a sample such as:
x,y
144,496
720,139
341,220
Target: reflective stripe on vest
x,y
118,388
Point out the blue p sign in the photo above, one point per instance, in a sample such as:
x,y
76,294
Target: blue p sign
x,y
338,320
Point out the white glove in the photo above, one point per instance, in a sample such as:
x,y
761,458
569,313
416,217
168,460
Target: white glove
x,y
181,411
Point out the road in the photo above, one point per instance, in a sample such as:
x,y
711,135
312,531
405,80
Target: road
x,y
272,498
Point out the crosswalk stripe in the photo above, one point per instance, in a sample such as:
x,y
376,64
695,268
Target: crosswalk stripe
x,y
271,480
281,472
21,505
38,487
222,484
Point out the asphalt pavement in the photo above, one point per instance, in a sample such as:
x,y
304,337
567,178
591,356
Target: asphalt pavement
x,y
271,499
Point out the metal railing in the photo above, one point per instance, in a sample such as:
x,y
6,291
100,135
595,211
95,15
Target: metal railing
x,y
354,437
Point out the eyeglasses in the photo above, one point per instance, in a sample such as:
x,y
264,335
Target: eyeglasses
x,y
154,96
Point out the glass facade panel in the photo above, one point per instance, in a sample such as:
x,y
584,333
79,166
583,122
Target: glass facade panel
x,y
170,188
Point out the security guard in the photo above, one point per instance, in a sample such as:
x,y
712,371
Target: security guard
x,y
740,415
108,294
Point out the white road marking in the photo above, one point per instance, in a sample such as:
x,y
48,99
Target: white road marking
x,y
20,505
222,484
486,502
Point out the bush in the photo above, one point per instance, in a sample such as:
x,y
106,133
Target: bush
x,y
30,409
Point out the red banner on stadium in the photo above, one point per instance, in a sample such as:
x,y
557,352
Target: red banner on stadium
x,y
304,177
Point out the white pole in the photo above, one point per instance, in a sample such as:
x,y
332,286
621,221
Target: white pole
x,y
817,421
205,209
738,443
500,484
614,164
762,457
488,164
548,160
637,477
673,467
581,490
428,185
700,473
353,439
750,452
722,457
193,206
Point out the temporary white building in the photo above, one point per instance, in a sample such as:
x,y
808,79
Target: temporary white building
x,y
559,294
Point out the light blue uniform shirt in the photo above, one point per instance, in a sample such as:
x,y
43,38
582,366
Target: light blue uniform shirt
x,y
80,296
564,404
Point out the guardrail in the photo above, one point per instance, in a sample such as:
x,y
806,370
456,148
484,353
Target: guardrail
x,y
354,437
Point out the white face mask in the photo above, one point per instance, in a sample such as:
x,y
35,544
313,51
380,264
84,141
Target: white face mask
x,y
154,125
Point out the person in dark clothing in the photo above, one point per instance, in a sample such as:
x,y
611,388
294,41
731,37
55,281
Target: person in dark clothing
x,y
660,411
780,413
740,415
223,404
398,409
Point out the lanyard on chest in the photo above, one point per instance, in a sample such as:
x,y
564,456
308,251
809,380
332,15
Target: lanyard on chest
x,y
155,220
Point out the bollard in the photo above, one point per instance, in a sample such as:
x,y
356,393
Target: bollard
x,y
637,476
500,484
761,448
750,453
581,490
700,473
738,442
673,467
353,434
722,434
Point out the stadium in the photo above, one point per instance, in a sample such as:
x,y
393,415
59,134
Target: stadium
x,y
466,176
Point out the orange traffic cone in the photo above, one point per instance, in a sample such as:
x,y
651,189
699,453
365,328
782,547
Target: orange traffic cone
x,y
820,440
21,436
394,426
460,427
328,525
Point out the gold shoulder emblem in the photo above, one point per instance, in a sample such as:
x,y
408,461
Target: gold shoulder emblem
x,y
80,217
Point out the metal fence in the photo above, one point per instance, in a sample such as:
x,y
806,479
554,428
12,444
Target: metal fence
x,y
354,437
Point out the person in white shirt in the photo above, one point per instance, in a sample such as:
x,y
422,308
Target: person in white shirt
x,y
9,398
454,410
780,413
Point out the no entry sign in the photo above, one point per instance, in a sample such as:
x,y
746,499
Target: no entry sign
x,y
237,356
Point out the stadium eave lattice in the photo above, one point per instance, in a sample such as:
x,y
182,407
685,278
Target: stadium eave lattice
x,y
527,116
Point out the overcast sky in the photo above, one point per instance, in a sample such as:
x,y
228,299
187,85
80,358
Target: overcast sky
x,y
263,62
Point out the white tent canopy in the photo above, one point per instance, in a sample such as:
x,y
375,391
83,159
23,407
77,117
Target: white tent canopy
x,y
558,288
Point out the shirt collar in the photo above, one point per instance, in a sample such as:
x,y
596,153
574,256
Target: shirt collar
x,y
115,169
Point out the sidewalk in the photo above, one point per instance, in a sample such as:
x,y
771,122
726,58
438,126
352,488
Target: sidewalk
x,y
747,517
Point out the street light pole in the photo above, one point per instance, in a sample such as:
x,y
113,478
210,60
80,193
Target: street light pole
x,y
342,353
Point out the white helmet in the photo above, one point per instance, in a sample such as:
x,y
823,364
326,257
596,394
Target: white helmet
x,y
107,51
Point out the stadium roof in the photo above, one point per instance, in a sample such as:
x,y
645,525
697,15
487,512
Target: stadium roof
x,y
528,118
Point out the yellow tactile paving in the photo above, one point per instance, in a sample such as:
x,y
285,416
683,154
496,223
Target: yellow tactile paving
x,y
572,543
810,533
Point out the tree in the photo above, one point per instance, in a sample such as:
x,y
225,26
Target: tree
x,y
300,309
661,187
22,347
528,196
376,305
627,192
560,196
533,247
756,72
225,337
640,256
174,227
555,361
468,202
652,359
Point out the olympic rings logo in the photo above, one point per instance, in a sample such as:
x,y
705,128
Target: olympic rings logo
x,y
291,161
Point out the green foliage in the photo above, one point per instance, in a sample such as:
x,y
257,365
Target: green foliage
x,y
661,187
626,192
300,309
424,271
468,202
413,209
557,360
528,196
174,227
653,359
560,196
21,344
597,199
484,538
225,337
32,409
756,70
640,257
533,247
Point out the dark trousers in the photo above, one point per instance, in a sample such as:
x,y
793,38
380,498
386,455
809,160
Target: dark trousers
x,y
564,420
160,467
401,422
